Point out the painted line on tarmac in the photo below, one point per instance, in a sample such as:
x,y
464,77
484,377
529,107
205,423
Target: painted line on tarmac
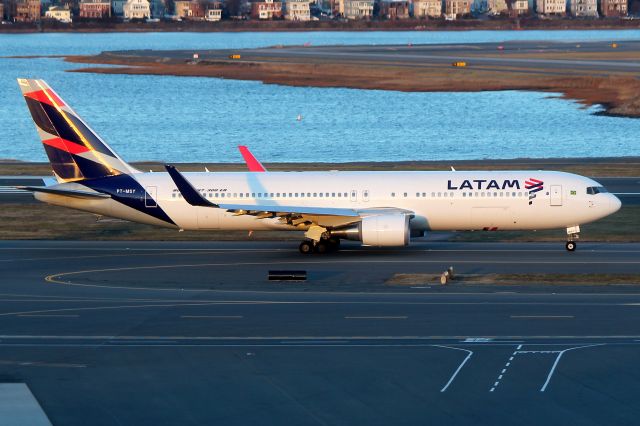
x,y
542,316
504,370
555,364
401,317
48,315
211,316
455,373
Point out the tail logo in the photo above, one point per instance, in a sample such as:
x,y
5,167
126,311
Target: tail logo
x,y
534,186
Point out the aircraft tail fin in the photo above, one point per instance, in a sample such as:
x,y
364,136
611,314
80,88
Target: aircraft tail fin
x,y
75,151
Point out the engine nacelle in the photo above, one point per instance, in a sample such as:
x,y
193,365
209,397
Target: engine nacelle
x,y
389,230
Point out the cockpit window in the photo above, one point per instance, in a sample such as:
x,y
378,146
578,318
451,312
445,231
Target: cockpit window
x,y
593,190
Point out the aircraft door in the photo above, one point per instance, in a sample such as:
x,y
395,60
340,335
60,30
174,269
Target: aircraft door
x,y
150,196
556,195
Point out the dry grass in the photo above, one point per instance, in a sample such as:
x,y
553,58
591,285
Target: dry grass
x,y
517,279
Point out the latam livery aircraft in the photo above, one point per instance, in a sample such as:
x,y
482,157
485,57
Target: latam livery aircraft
x,y
375,208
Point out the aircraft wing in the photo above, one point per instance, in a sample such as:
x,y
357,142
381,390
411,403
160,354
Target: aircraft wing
x,y
65,192
194,198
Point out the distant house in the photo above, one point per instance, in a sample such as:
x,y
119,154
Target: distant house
x,y
357,9
95,9
497,7
394,9
117,7
518,7
137,9
427,8
213,12
190,10
1,11
266,9
583,8
297,10
158,8
551,7
59,13
457,8
613,8
27,11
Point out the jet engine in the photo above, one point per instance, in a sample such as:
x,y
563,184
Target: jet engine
x,y
381,231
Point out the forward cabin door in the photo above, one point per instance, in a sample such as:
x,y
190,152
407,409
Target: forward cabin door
x,y
556,195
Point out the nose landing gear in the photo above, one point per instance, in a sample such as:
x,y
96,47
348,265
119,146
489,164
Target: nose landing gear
x,y
573,233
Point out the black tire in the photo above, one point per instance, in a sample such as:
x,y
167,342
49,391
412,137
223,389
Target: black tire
x,y
306,247
571,246
321,247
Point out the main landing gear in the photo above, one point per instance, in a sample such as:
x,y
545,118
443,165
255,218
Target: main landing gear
x,y
325,245
573,233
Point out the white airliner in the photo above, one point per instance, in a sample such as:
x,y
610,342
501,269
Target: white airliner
x,y
375,208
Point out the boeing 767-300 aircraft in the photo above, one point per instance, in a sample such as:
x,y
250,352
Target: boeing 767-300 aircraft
x,y
375,208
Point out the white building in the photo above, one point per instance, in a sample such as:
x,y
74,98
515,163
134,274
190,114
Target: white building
x,y
137,9
427,8
551,7
357,9
297,10
496,7
213,15
59,13
583,8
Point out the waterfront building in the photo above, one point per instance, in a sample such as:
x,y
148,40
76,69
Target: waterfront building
x,y
613,8
357,9
266,9
59,13
193,10
457,8
158,8
213,13
1,11
137,9
518,7
551,7
427,8
95,9
583,8
27,11
297,10
394,9
497,7
117,7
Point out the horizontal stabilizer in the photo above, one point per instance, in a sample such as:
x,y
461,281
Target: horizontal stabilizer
x,y
189,193
65,192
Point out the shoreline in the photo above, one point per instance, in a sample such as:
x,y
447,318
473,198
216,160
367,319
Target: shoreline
x,y
590,166
590,78
412,24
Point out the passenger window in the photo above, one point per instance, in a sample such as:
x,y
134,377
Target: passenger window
x,y
315,194
405,195
339,194
290,195
320,194
439,194
424,194
241,195
393,194
417,195
333,194
446,194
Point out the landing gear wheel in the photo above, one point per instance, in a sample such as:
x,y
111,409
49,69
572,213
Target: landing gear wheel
x,y
321,247
306,247
570,246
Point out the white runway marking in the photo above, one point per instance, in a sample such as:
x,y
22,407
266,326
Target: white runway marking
x,y
455,373
504,370
542,316
376,317
555,364
48,316
212,316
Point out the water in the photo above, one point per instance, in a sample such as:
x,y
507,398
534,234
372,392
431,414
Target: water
x,y
200,119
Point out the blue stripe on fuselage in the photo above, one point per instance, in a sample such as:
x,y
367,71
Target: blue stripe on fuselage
x,y
126,190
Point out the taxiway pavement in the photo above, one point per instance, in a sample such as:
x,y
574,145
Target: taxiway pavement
x,y
193,333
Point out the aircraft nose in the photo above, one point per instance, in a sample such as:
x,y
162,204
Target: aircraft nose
x,y
614,203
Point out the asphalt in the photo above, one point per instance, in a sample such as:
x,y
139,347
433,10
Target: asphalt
x,y
626,188
520,54
161,333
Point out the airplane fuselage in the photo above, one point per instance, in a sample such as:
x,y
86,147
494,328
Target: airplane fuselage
x,y
451,200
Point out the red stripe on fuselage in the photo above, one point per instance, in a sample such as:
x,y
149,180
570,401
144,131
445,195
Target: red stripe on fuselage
x,y
66,145
41,96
